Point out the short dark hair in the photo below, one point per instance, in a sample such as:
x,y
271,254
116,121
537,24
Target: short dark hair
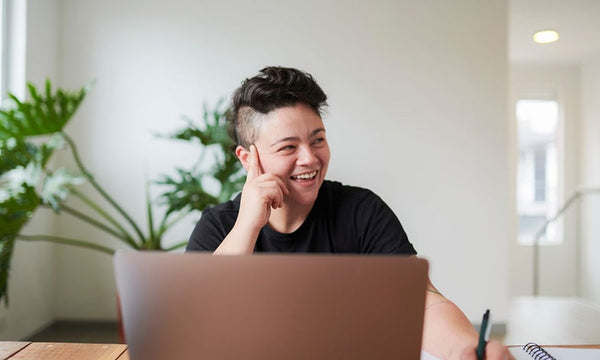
x,y
273,88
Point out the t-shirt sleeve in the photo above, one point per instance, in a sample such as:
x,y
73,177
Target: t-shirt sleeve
x,y
379,229
207,234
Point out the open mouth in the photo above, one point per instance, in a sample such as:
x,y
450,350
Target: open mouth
x,y
306,176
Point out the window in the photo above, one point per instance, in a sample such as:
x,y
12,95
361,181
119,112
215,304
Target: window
x,y
3,51
537,182
13,15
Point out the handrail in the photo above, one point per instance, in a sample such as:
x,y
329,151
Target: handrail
x,y
536,240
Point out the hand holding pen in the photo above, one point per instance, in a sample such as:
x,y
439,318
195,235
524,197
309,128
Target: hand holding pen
x,y
484,335
488,350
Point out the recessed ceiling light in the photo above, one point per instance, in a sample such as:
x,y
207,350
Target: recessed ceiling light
x,y
545,36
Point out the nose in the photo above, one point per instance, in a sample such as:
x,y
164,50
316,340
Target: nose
x,y
306,156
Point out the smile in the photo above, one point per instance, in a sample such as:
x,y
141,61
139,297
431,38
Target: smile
x,y
306,176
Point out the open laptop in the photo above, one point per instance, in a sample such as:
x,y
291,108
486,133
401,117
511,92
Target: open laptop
x,y
201,306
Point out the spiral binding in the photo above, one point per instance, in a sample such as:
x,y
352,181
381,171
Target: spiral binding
x,y
537,352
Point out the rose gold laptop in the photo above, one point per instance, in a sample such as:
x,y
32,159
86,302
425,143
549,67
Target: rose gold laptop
x,y
200,306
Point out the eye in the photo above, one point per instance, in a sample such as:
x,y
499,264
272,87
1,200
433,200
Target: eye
x,y
287,148
318,141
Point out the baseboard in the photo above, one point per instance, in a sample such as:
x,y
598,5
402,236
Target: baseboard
x,y
93,331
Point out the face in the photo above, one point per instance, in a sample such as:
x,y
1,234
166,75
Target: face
x,y
291,144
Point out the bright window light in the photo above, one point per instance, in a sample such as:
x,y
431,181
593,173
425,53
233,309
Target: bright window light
x,y
537,177
545,36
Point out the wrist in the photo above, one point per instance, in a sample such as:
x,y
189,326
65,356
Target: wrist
x,y
240,241
247,227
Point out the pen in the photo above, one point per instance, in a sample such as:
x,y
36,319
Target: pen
x,y
484,335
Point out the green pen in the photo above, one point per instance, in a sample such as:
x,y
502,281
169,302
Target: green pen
x,y
484,335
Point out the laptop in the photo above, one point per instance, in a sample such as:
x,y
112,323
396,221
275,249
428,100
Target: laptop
x,y
271,306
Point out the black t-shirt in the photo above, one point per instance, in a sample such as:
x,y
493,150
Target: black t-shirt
x,y
344,219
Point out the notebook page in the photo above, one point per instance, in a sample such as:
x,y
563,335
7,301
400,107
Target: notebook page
x,y
427,356
559,353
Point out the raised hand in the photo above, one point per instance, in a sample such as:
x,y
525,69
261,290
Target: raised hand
x,y
261,193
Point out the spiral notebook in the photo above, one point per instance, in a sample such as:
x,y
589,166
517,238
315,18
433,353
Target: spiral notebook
x,y
535,351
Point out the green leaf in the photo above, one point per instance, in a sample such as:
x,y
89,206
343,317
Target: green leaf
x,y
186,192
210,130
13,183
15,212
227,168
15,153
21,163
41,114
231,188
57,187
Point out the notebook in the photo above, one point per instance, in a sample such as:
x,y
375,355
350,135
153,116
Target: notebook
x,y
201,306
535,351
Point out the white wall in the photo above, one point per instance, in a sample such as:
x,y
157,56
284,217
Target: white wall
x,y
558,272
417,113
590,136
31,281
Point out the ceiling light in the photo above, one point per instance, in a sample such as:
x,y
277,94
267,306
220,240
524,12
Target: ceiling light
x,y
545,36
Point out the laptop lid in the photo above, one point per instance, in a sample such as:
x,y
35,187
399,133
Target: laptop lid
x,y
271,306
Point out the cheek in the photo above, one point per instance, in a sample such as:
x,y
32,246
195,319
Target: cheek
x,y
324,156
278,166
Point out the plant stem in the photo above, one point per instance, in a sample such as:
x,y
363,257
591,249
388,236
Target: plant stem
x,y
122,235
99,189
67,241
164,226
154,241
107,216
177,246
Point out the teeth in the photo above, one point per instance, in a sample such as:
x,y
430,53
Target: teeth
x,y
306,176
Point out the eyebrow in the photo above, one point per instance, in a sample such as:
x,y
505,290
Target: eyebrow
x,y
295,138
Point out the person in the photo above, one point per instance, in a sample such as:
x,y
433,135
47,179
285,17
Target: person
x,y
287,205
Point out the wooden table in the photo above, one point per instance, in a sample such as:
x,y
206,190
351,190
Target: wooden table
x,y
61,351
74,351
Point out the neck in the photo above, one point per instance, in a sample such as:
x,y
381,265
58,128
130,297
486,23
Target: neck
x,y
288,219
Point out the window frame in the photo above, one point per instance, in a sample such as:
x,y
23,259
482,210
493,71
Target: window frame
x,y
545,94
3,50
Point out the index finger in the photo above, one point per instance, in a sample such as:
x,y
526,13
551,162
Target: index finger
x,y
254,167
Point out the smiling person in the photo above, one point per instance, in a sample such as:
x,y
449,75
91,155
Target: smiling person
x,y
286,204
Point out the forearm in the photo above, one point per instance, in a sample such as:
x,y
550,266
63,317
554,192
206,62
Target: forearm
x,y
238,242
447,331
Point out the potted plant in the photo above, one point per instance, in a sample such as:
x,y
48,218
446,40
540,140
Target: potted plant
x,y
32,131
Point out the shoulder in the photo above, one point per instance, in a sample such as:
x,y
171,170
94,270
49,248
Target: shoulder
x,y
347,194
226,209
220,218
362,221
348,202
214,225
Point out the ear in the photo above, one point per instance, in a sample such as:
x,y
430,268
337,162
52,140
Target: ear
x,y
243,155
